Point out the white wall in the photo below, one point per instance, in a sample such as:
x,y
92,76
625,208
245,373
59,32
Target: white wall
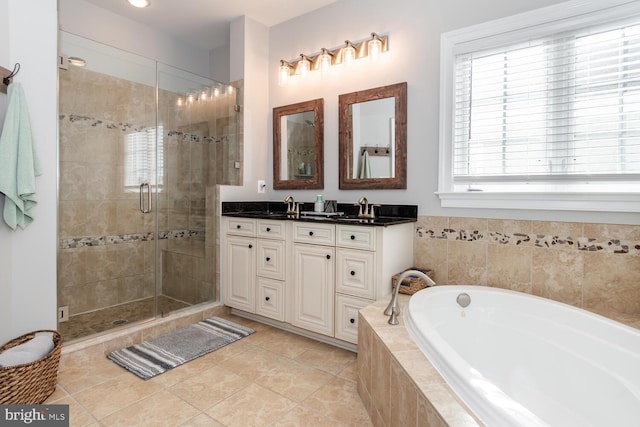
x,y
414,28
28,35
250,60
84,19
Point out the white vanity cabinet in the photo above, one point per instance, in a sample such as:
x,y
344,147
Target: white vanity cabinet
x,y
312,276
254,266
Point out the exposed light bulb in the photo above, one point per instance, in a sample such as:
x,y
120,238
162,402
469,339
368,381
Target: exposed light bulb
x,y
303,67
375,47
216,91
348,53
284,70
204,94
190,98
324,61
180,101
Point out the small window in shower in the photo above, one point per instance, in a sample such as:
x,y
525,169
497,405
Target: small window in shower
x,y
140,155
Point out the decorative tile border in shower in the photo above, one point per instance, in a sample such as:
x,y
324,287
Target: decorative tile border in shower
x,y
128,127
588,244
81,242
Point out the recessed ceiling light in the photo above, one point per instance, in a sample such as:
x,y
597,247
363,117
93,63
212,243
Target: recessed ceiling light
x,y
139,3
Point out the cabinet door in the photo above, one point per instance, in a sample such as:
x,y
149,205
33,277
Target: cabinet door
x,y
271,259
270,298
240,272
347,309
356,272
313,288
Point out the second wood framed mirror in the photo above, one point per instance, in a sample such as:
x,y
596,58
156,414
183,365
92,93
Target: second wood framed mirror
x,y
298,146
373,138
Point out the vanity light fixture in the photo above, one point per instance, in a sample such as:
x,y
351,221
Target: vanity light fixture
x,y
323,60
139,3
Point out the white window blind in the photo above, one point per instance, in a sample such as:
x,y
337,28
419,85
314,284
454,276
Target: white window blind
x,y
140,157
557,113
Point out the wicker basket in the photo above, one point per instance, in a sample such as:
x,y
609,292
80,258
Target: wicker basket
x,y
30,383
411,285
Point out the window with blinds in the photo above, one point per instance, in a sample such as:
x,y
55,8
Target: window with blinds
x,y
140,158
554,113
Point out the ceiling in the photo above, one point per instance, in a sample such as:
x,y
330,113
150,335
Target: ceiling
x,y
205,23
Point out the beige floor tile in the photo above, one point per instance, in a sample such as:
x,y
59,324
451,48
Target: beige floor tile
x,y
327,357
58,393
254,363
350,372
283,343
339,400
158,410
202,420
292,379
78,416
81,377
209,387
115,394
253,406
303,417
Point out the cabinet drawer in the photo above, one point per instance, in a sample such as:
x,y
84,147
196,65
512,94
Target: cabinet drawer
x,y
347,309
271,259
270,298
271,229
355,272
349,236
317,234
241,226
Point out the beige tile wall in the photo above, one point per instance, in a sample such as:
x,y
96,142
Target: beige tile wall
x,y
591,266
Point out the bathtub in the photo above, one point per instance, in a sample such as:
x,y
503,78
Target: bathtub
x,y
521,360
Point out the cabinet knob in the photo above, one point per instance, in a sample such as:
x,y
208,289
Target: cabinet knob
x,y
238,226
268,259
311,233
353,273
268,229
250,246
352,320
268,298
353,237
328,256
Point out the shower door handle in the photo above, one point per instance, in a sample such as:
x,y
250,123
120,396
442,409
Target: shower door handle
x,y
143,209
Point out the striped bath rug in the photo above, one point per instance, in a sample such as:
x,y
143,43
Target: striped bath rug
x,y
165,352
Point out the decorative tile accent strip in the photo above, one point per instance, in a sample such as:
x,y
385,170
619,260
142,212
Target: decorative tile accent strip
x,y
539,240
128,127
81,242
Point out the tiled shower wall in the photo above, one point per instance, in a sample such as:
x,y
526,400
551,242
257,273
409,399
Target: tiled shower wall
x,y
591,266
106,245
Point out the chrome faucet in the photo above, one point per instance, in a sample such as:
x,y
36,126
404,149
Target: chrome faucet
x,y
368,211
293,208
393,310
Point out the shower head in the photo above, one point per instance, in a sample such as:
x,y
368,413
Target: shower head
x,y
309,123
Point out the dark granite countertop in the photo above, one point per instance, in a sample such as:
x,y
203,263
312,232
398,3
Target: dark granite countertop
x,y
385,214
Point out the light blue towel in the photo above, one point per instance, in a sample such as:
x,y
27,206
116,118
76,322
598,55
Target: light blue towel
x,y
365,165
19,164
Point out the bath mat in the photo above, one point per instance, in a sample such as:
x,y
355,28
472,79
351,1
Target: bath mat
x,y
165,352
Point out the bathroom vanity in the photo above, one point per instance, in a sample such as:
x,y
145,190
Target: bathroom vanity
x,y
311,275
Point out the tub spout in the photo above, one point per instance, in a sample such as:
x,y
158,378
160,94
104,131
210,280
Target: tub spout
x,y
393,309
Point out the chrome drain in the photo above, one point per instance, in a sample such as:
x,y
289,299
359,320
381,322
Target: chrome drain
x,y
119,322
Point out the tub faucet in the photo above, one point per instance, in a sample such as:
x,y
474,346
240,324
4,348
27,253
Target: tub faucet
x,y
393,309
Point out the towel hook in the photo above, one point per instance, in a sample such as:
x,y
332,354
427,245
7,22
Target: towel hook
x,y
7,80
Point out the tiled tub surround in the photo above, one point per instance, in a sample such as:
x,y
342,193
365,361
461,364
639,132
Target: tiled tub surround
x,y
591,266
397,383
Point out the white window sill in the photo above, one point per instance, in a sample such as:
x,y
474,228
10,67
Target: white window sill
x,y
594,202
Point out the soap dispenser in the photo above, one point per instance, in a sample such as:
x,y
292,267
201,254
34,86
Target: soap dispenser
x,y
318,206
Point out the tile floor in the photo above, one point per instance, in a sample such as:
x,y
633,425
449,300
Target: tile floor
x,y
271,378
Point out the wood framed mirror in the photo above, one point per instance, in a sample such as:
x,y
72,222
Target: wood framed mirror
x,y
298,146
373,138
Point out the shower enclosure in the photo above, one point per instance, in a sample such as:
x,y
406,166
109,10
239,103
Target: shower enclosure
x,y
142,148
